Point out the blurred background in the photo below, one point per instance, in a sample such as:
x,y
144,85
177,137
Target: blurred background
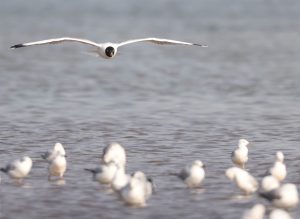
x,y
167,105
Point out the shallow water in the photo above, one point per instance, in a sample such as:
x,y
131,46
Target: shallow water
x,y
166,105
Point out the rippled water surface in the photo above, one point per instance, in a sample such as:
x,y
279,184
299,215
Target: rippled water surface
x,y
166,105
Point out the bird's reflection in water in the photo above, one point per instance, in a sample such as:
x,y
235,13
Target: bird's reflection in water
x,y
59,182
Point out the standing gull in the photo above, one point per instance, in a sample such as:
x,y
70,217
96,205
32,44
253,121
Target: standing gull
x,y
106,50
279,169
193,175
240,155
56,159
242,179
18,169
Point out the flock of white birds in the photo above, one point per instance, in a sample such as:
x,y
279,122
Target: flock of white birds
x,y
137,188
282,196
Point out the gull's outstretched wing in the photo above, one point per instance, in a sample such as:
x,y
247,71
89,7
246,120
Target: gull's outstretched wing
x,y
56,41
160,41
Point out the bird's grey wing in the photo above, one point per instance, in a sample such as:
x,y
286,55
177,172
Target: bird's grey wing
x,y
9,167
184,173
46,155
55,41
159,41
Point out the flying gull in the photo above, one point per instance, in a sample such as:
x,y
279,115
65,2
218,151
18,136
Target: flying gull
x,y
105,50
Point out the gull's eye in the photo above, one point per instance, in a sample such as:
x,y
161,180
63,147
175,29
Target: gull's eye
x,y
110,51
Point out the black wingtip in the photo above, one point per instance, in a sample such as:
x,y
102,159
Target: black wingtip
x,y
271,195
4,170
17,46
196,44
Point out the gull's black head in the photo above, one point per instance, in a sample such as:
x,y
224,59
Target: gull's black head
x,y
110,51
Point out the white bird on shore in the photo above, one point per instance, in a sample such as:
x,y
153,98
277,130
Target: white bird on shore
x,y
269,183
244,180
193,175
240,155
105,173
286,196
279,214
256,212
279,169
18,169
105,50
114,153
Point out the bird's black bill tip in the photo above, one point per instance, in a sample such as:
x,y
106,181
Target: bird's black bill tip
x,y
17,46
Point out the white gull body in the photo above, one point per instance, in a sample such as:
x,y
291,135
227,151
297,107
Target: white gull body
x,y
51,154
18,169
134,193
147,182
193,175
279,169
244,180
120,179
240,155
279,214
105,173
256,212
57,166
269,183
56,158
138,190
114,153
286,196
